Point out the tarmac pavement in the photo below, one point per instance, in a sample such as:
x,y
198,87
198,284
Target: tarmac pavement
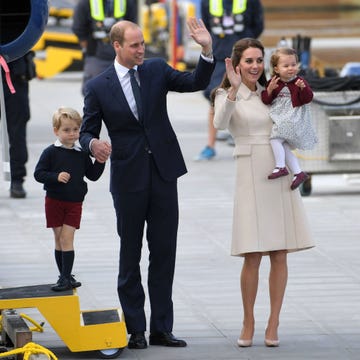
x,y
321,312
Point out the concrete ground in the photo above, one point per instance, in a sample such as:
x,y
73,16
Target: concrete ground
x,y
321,311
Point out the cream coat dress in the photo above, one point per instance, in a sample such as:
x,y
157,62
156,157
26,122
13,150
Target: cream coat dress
x,y
268,215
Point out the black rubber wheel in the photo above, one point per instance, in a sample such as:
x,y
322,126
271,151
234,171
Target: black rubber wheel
x,y
305,187
110,353
3,349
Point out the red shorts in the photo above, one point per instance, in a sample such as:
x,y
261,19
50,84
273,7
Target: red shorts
x,y
60,212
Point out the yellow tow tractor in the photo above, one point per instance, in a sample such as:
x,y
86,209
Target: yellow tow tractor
x,y
103,331
58,48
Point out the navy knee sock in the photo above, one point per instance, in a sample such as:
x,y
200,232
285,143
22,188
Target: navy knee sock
x,y
58,259
67,263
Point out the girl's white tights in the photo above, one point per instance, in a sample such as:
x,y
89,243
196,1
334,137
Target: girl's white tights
x,y
283,154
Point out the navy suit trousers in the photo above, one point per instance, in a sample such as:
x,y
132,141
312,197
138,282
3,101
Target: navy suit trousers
x,y
157,207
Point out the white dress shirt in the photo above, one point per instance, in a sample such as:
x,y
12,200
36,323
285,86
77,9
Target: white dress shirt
x,y
124,78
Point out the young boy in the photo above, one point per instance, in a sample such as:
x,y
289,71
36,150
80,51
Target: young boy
x,y
61,168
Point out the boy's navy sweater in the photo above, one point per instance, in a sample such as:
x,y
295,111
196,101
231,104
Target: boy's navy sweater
x,y
78,164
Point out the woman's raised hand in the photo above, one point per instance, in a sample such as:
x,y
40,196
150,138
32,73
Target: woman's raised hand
x,y
234,77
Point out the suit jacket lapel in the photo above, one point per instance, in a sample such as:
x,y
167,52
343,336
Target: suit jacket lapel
x,y
117,90
115,86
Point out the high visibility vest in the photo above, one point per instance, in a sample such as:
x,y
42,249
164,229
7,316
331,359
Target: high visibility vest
x,y
216,7
98,13
219,26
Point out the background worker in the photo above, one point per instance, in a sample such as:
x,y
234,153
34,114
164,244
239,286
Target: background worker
x,y
227,22
92,22
17,109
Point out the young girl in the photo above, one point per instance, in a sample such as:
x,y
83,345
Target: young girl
x,y
289,96
61,168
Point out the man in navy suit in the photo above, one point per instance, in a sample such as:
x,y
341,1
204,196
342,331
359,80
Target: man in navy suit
x,y
146,161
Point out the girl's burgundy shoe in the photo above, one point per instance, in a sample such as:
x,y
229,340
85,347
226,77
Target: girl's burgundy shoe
x,y
280,172
299,179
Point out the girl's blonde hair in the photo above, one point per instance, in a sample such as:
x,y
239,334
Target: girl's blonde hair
x,y
65,113
275,56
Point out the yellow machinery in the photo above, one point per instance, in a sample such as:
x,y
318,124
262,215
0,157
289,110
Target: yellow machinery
x,y
103,331
58,48
59,56
166,34
155,24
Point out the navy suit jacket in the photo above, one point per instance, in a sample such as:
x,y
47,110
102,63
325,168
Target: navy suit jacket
x,y
105,102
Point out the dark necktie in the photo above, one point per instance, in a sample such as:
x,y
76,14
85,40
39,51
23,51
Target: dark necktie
x,y
136,92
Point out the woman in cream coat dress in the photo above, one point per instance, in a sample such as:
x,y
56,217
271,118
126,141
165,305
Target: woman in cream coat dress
x,y
269,218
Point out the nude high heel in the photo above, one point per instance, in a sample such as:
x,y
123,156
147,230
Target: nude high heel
x,y
272,343
244,343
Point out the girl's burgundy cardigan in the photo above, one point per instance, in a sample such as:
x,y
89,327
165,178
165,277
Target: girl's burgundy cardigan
x,y
298,96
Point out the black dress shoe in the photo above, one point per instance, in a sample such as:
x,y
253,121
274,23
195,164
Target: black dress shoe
x,y
137,341
63,284
166,339
74,283
17,190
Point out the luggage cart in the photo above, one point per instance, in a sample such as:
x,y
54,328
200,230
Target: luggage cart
x,y
336,117
102,331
